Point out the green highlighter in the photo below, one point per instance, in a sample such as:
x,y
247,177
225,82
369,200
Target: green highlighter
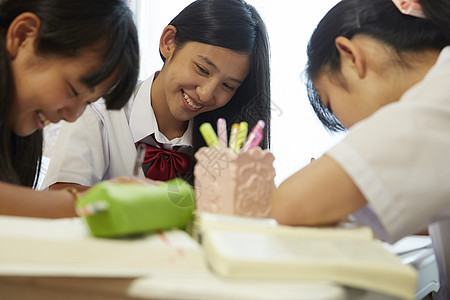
x,y
117,210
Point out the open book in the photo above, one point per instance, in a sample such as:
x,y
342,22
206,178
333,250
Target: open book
x,y
64,247
168,265
239,247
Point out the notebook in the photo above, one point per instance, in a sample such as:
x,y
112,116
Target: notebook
x,y
240,247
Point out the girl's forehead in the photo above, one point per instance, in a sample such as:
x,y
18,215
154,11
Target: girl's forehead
x,y
209,48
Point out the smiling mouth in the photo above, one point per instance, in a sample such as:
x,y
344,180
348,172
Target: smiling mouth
x,y
190,102
43,119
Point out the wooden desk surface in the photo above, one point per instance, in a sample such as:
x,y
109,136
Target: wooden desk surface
x,y
64,288
178,285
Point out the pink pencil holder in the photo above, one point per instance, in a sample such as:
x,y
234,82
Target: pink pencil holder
x,y
233,183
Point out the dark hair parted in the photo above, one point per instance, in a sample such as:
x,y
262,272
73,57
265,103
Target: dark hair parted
x,y
67,27
379,19
235,25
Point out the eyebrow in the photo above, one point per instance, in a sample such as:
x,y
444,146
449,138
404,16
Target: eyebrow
x,y
209,62
91,89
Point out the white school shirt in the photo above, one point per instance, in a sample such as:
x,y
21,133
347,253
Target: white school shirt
x,y
400,156
400,160
101,144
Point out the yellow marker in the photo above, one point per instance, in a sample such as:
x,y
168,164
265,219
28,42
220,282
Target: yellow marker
x,y
209,135
241,136
233,136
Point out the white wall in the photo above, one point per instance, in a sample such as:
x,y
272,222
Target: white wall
x,y
297,135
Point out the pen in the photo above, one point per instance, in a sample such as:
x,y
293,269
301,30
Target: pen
x,y
241,136
92,208
209,134
140,154
222,132
255,136
233,136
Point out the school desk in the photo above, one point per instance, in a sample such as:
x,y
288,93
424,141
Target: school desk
x,y
25,281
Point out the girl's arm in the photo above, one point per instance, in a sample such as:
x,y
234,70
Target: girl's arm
x,y
119,179
63,185
321,193
22,201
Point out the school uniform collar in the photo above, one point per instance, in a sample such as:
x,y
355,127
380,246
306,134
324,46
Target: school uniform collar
x,y
143,120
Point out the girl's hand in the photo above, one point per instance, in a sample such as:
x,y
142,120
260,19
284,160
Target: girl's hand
x,y
134,180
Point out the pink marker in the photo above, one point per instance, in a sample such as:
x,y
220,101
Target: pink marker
x,y
222,132
255,136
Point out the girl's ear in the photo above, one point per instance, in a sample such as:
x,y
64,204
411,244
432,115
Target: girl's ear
x,y
167,42
22,32
351,54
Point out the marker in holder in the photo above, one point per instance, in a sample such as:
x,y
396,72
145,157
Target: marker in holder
x,y
235,181
241,136
209,135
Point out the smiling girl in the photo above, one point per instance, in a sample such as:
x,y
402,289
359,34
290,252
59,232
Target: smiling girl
x,y
53,63
216,64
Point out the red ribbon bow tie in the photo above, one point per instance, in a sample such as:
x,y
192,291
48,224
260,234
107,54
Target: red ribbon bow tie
x,y
166,164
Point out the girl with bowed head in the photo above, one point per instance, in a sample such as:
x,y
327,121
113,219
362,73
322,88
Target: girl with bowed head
x,y
379,68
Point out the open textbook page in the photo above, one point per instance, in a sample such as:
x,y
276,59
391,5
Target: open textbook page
x,y
64,247
238,247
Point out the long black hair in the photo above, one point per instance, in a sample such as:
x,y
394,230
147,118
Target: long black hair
x,y
379,19
67,26
235,25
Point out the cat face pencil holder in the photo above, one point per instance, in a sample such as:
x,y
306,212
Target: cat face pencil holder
x,y
231,183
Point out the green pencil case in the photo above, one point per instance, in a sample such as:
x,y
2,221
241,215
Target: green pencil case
x,y
116,210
